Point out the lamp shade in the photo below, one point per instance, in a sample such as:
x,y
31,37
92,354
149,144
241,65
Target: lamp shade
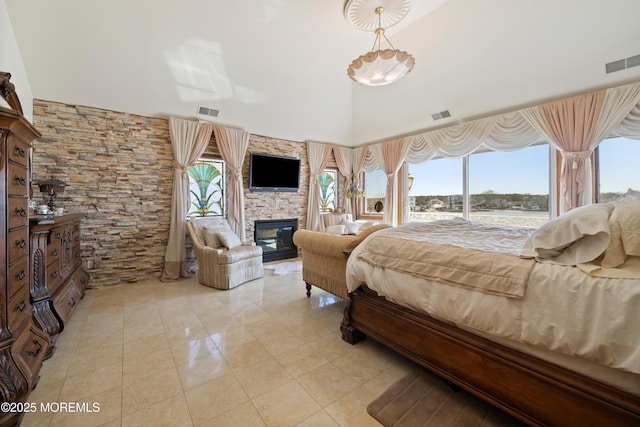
x,y
380,67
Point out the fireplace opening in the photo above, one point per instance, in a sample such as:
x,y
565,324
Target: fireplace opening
x,y
276,238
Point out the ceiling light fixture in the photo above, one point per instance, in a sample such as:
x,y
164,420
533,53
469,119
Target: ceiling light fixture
x,y
379,66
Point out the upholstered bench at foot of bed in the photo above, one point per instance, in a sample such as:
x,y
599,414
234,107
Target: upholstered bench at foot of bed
x,y
324,258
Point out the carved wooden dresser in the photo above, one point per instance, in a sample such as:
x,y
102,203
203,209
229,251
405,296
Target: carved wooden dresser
x,y
23,344
58,281
41,277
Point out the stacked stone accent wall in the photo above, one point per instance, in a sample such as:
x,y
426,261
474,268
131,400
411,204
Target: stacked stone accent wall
x,y
119,171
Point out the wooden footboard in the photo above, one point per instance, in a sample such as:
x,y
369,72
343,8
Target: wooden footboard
x,y
532,390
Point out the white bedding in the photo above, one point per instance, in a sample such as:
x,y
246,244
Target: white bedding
x,y
564,309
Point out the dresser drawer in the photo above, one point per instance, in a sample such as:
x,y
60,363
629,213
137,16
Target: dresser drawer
x,y
17,181
18,214
53,275
66,300
29,349
19,309
18,244
53,250
18,275
19,153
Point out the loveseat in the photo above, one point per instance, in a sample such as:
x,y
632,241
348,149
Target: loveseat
x,y
324,257
223,261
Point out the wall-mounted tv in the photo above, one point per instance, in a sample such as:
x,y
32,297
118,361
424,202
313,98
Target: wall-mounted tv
x,y
273,173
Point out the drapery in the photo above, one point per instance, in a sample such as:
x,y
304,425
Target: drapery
x,y
391,155
345,166
233,144
189,139
319,155
569,124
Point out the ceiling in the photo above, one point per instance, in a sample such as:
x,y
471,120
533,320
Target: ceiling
x,y
278,67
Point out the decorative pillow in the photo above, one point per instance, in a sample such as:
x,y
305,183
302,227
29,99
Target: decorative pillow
x,y
629,219
614,255
335,229
229,239
210,235
580,235
351,227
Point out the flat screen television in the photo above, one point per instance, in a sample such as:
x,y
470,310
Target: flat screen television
x,y
268,172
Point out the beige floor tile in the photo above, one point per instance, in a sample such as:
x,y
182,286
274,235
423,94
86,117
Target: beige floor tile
x,y
149,390
172,412
319,419
179,334
287,405
300,360
202,370
91,360
246,355
232,337
244,415
77,386
146,345
351,409
327,383
96,410
263,377
185,354
188,351
142,366
215,398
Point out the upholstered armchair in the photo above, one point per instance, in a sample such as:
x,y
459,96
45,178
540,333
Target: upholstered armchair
x,y
223,261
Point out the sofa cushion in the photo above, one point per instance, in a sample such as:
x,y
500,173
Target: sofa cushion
x,y
239,253
335,229
229,239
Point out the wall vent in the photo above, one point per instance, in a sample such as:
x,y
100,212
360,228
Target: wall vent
x,y
622,64
208,111
441,115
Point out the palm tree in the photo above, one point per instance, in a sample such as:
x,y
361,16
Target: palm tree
x,y
203,174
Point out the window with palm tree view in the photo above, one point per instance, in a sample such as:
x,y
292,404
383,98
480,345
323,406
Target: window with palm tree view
x,y
206,188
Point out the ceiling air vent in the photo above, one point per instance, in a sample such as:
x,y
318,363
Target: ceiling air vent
x,y
441,115
622,64
208,111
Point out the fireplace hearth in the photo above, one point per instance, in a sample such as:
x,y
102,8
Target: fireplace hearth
x,y
276,238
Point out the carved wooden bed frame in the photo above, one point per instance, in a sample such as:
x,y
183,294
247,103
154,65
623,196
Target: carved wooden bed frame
x,y
532,390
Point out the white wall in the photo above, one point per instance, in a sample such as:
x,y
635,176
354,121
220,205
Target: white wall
x,y
11,62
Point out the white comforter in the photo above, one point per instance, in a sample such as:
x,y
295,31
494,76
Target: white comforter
x,y
564,309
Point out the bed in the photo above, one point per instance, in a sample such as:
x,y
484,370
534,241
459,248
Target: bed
x,y
543,324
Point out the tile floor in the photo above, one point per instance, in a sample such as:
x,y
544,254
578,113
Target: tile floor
x,y
182,354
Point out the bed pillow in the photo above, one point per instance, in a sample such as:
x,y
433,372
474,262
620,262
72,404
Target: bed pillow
x,y
614,255
351,227
229,239
579,236
335,229
210,235
628,211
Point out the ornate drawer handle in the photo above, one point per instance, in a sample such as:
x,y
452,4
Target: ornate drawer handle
x,y
21,306
54,252
21,212
58,235
21,243
38,351
20,180
83,280
21,275
19,151
72,303
54,274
